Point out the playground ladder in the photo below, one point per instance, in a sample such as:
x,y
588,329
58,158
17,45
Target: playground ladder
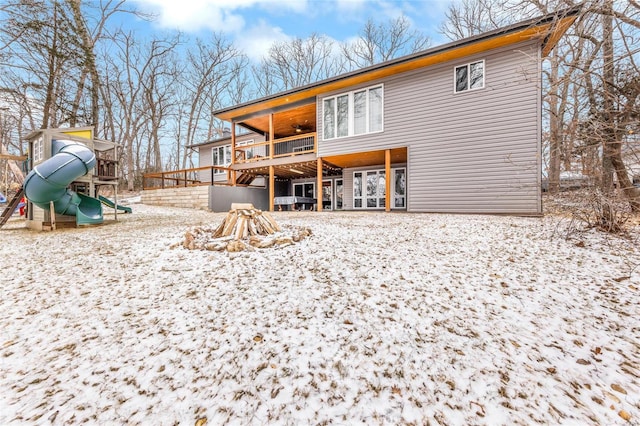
x,y
8,211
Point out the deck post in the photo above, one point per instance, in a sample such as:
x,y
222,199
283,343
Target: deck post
x,y
271,188
271,135
387,180
319,185
233,143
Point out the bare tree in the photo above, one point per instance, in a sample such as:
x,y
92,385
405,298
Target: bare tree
x,y
613,92
296,63
88,37
470,17
380,42
210,68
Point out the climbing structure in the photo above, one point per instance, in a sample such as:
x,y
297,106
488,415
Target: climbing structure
x,y
67,169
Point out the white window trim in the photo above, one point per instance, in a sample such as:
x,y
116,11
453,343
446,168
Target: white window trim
x,y
364,197
38,150
226,162
351,117
247,143
468,65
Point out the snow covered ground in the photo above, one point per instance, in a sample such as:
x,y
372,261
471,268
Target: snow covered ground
x,y
374,319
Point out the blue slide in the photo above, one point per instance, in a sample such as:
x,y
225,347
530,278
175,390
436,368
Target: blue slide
x,y
48,182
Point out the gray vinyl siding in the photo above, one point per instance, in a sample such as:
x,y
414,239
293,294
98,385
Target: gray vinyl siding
x,y
469,152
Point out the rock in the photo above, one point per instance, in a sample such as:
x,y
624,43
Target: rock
x,y
612,397
235,245
616,387
625,415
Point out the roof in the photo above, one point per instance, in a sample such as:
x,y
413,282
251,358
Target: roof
x,y
548,29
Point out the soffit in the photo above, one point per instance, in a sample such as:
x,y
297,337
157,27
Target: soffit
x,y
365,159
285,122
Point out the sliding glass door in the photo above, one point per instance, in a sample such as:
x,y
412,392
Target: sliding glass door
x,y
369,189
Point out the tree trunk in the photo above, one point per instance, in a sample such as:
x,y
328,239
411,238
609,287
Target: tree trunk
x,y
555,129
49,101
609,143
90,61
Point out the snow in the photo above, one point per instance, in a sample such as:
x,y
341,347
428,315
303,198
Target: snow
x,y
376,318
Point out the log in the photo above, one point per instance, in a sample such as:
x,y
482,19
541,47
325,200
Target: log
x,y
241,223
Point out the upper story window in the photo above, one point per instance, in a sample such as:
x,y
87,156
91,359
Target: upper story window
x,y
353,113
469,76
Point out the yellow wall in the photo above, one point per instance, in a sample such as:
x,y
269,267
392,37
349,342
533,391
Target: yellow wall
x,y
85,134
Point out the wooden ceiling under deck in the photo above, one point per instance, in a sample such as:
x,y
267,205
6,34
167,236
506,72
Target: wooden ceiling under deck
x,y
303,169
365,159
286,123
332,165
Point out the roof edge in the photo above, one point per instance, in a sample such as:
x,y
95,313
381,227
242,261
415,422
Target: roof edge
x,y
549,40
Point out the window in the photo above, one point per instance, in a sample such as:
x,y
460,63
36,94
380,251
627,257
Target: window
x,y
400,188
339,191
374,184
357,190
249,153
306,189
38,150
469,77
221,156
353,113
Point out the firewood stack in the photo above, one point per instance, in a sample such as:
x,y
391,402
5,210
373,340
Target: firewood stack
x,y
246,221
244,228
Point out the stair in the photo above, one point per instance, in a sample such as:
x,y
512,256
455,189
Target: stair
x,y
11,207
244,179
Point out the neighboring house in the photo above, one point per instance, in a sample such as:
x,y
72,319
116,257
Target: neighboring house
x,y
456,128
217,152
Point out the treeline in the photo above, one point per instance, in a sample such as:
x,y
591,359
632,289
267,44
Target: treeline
x,y
74,63
590,87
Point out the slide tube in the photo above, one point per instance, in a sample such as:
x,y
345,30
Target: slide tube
x,y
48,182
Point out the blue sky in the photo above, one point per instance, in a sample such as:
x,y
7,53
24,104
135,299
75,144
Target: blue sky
x,y
255,24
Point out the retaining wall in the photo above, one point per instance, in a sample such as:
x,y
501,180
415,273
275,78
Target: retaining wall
x,y
193,197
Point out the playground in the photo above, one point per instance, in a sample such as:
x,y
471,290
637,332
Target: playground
x,y
66,169
373,319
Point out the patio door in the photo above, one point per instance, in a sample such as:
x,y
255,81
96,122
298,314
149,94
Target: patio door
x,y
327,195
306,189
339,194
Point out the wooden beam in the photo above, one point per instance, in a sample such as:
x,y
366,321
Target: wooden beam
x,y
233,152
13,157
272,191
233,142
271,135
319,185
387,180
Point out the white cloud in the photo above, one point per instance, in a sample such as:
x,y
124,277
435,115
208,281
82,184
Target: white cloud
x,y
194,15
258,38
218,15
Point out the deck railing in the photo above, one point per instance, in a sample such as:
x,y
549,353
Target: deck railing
x,y
197,176
284,147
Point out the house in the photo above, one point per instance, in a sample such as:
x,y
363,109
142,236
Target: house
x,y
455,128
